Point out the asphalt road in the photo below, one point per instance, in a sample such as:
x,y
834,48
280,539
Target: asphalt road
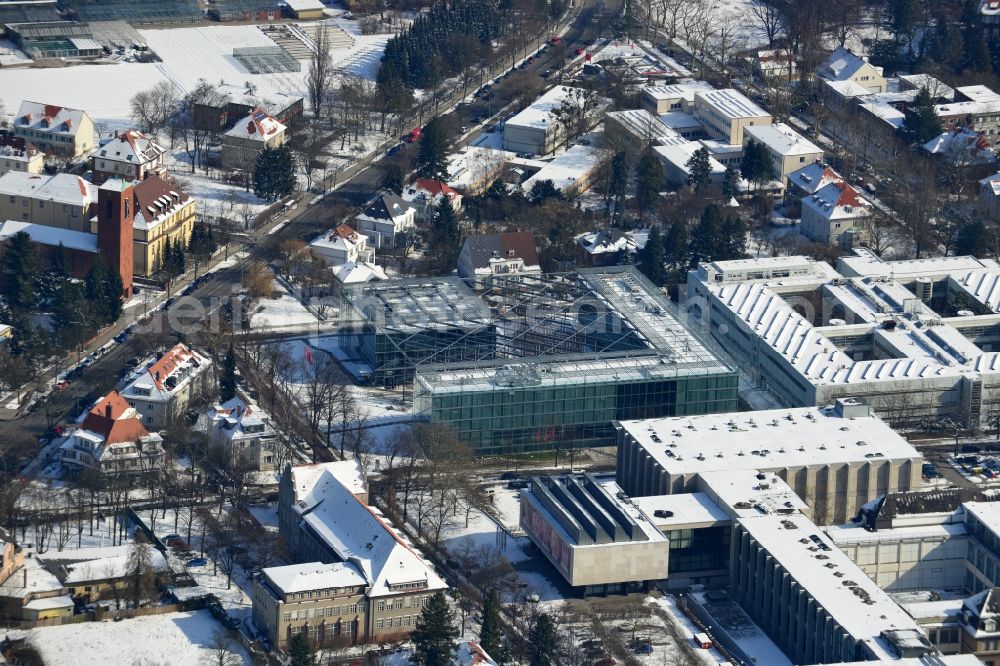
x,y
356,186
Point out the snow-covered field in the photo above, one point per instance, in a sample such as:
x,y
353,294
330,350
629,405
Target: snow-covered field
x,y
285,311
178,639
188,54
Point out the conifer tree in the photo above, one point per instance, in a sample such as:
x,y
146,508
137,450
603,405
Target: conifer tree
x,y
651,259
543,639
489,632
434,636
227,378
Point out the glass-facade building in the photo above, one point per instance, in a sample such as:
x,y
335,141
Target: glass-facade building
x,y
564,404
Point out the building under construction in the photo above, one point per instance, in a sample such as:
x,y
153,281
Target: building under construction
x,y
536,362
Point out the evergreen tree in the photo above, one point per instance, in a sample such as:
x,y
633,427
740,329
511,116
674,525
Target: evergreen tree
x,y
96,293
649,181
543,639
49,282
651,258
756,166
733,237
300,651
699,170
432,157
921,123
20,263
730,182
489,632
274,173
445,237
676,251
903,16
973,239
542,190
72,315
434,636
201,244
227,378
617,187
707,242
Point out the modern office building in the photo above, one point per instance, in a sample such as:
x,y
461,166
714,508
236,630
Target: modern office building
x,y
572,353
917,338
536,130
598,541
835,458
726,113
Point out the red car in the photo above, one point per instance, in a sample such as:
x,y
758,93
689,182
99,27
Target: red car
x,y
531,59
555,40
63,385
579,52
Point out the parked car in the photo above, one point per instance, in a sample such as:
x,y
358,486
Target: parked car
x,y
197,562
63,385
507,476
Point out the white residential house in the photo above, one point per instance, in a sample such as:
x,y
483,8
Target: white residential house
x,y
111,440
833,214
484,255
16,154
352,273
131,155
384,218
989,195
163,386
341,246
425,194
842,65
774,63
55,129
789,150
244,429
242,143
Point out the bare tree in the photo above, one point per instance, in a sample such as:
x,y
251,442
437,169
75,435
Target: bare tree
x,y
139,570
222,651
319,76
152,108
576,113
765,15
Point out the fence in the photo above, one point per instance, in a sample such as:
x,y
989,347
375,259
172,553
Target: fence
x,y
99,615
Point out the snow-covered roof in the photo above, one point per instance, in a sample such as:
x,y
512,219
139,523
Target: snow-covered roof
x,y
258,126
304,5
63,188
837,201
678,120
75,566
49,118
848,89
841,65
237,419
962,146
987,513
313,576
44,235
343,239
162,376
989,7
30,579
864,262
605,241
359,534
132,147
978,93
679,153
50,603
766,440
731,104
679,91
348,472
566,169
782,139
538,114
886,112
983,106
814,177
358,273
470,653
682,511
935,86
641,124
992,183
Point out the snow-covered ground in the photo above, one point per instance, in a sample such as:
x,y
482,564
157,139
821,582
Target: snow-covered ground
x,y
188,54
178,639
285,311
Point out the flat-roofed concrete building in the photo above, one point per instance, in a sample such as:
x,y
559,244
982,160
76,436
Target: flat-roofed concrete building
x,y
916,338
789,150
835,458
595,539
727,112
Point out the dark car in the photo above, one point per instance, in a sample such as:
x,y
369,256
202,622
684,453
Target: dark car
x,y
198,562
395,149
517,485
507,476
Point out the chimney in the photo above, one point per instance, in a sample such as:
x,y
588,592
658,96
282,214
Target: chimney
x,y
116,134
107,411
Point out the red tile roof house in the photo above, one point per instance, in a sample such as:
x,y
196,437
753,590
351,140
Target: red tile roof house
x,y
111,440
163,386
131,155
832,212
425,193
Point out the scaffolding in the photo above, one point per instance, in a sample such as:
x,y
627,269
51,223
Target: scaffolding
x,y
266,59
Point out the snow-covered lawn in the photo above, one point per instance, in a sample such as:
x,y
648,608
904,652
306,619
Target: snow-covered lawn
x,y
188,54
178,639
285,311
